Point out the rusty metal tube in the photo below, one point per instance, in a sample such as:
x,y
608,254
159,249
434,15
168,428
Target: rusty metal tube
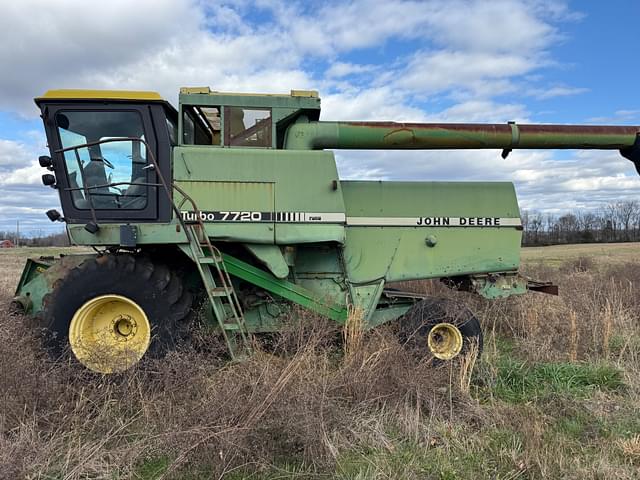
x,y
389,136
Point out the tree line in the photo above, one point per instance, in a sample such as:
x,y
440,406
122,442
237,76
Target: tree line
x,y
615,222
37,239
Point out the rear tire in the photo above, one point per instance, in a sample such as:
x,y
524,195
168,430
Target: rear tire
x,y
440,328
116,305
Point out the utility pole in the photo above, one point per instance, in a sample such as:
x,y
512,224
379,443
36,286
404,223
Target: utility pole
x,y
17,233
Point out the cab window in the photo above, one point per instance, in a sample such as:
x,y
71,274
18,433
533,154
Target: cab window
x,y
247,127
201,125
108,175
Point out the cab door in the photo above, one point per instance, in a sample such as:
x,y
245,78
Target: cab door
x,y
112,177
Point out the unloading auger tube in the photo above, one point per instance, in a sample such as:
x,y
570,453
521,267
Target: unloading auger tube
x,y
433,136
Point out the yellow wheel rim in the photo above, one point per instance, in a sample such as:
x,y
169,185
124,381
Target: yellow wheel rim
x,y
109,333
445,341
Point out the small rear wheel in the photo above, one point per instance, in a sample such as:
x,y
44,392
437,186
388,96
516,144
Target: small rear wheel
x,y
113,310
440,328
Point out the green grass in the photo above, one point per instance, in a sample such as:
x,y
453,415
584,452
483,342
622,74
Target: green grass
x,y
519,381
152,468
446,461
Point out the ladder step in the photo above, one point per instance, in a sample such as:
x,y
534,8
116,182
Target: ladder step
x,y
218,292
208,260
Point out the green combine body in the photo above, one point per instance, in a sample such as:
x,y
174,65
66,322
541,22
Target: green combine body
x,y
235,198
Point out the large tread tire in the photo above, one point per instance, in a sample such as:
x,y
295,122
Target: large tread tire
x,y
416,324
159,291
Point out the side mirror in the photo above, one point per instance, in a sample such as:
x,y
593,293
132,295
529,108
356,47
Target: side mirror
x,y
49,180
54,215
46,162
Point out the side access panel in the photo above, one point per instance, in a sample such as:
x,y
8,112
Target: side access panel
x,y
412,230
263,196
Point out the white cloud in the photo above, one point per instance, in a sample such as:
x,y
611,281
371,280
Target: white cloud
x,y
62,43
347,26
342,69
30,175
557,91
12,154
619,116
435,72
496,26
483,111
23,197
376,103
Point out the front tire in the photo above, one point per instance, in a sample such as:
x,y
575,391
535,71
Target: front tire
x,y
113,309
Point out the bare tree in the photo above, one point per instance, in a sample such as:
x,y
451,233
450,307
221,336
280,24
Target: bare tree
x,y
625,212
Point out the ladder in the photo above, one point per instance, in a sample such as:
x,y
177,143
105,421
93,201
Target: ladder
x,y
223,299
210,262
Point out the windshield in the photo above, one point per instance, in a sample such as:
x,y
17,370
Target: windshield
x,y
110,175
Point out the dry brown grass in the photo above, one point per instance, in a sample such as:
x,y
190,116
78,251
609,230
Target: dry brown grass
x,y
599,253
57,418
303,404
363,408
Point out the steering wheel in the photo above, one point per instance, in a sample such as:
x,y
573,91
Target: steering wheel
x,y
107,163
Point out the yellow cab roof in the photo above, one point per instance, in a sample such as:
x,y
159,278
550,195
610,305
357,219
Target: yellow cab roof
x,y
73,94
114,95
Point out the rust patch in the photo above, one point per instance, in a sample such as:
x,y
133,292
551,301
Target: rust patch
x,y
504,128
579,129
461,127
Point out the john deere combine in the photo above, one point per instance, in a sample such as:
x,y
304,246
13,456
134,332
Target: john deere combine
x,y
235,199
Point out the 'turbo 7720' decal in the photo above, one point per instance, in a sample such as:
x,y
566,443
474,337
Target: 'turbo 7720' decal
x,y
277,217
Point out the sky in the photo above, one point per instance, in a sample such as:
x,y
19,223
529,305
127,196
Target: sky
x,y
533,61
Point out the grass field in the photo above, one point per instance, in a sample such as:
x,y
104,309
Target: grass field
x,y
604,253
555,395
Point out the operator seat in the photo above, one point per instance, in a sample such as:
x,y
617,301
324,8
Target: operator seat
x,y
94,174
135,197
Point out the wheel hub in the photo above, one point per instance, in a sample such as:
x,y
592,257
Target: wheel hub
x,y
445,341
124,326
109,333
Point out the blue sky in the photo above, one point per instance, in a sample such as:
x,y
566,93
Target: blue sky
x,y
433,60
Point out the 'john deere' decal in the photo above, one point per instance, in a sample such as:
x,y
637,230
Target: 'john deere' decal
x,y
434,221
340,218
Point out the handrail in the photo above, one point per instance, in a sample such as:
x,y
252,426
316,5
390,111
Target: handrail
x,y
223,274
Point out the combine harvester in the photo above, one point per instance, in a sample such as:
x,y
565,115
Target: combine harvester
x,y
235,198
